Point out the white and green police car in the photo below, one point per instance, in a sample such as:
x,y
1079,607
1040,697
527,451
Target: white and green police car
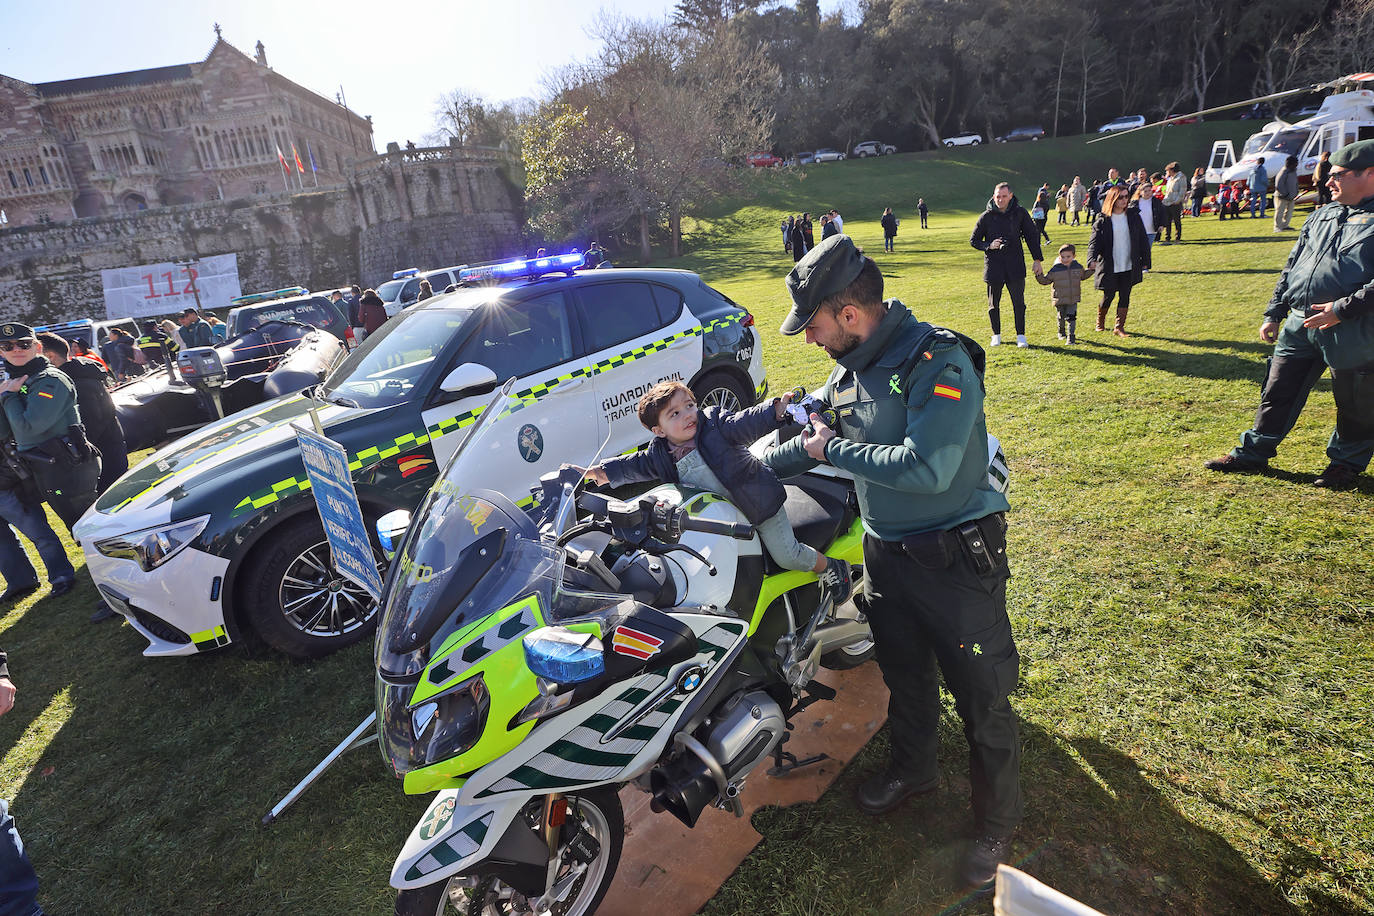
x,y
216,536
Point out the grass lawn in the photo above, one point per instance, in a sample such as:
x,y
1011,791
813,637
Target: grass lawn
x,y
1196,647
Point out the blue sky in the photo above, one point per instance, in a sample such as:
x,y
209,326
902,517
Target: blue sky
x,y
392,59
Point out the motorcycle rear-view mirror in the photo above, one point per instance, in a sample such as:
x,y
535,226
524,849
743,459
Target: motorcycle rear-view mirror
x,y
469,378
390,529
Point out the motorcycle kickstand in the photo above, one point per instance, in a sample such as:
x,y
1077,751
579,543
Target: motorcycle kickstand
x,y
785,762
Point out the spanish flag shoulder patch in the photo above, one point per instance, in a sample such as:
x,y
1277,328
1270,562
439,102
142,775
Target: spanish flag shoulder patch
x,y
43,394
948,391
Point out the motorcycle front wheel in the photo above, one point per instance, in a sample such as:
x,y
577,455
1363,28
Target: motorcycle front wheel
x,y
599,812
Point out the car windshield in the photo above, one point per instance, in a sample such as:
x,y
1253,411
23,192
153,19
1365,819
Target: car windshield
x,y
394,360
389,290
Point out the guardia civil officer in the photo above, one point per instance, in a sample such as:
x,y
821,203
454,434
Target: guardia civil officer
x,y
39,407
909,399
1320,315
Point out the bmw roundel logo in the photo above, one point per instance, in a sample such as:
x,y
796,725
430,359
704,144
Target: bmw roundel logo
x,y
690,680
531,443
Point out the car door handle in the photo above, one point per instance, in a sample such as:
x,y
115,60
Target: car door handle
x,y
569,385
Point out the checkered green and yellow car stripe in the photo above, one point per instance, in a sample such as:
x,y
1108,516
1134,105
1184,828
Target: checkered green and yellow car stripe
x,y
531,395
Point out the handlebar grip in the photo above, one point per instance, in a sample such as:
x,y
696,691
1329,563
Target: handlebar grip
x,y
711,526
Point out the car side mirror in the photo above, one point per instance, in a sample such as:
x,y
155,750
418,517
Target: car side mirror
x,y
390,529
469,378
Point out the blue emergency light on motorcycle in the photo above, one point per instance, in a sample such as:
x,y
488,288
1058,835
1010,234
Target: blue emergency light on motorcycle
x,y
564,656
525,267
408,272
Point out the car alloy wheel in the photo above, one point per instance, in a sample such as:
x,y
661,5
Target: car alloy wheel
x,y
318,601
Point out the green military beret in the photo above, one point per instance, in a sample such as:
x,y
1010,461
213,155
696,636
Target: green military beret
x,y
824,271
14,331
1355,155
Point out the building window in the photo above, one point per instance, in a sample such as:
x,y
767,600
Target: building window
x,y
28,178
13,183
259,187
43,174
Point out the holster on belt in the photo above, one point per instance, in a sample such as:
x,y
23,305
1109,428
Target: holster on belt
x,y
71,450
983,541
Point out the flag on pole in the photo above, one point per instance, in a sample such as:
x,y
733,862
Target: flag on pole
x,y
314,169
285,169
296,153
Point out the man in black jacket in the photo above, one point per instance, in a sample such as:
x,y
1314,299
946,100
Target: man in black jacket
x,y
998,234
96,406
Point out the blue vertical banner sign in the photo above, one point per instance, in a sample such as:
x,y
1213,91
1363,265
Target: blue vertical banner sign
x,y
326,464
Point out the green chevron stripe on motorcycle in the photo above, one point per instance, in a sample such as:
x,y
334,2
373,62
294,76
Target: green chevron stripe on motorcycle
x,y
602,723
457,658
586,756
460,845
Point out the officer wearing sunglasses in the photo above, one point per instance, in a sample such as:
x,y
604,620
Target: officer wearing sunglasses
x,y
38,409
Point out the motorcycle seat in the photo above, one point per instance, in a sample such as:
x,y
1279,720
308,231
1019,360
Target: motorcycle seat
x,y
819,511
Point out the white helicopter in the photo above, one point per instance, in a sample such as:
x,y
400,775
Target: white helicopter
x,y
1344,117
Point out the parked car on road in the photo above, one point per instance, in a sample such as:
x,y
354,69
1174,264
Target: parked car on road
x,y
1185,119
763,160
865,148
805,158
828,155
1019,134
963,140
1125,122
217,536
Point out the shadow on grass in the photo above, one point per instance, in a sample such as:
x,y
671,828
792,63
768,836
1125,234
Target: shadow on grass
x,y
1096,828
1245,346
1215,366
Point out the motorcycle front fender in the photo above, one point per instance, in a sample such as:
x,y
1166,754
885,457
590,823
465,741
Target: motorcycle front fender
x,y
451,838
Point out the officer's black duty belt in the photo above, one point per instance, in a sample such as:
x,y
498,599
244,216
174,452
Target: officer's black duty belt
x,y
981,540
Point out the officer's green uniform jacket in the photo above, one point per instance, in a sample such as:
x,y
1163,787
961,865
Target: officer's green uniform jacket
x,y
916,445
43,408
1333,261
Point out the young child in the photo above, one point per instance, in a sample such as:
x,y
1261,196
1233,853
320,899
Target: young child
x,y
709,450
1067,275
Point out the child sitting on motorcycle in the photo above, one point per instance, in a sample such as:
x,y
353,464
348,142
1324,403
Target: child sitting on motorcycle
x,y
709,450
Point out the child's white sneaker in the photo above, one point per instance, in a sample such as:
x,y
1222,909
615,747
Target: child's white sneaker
x,y
1021,340
996,340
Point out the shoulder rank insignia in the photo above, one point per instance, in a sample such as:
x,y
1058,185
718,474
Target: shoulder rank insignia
x,y
948,391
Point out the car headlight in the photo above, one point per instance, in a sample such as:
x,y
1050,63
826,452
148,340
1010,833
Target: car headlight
x,y
152,547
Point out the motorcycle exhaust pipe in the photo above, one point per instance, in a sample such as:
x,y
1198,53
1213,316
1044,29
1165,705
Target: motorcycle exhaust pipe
x,y
687,783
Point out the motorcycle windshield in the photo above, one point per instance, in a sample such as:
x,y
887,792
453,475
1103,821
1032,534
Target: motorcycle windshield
x,y
468,551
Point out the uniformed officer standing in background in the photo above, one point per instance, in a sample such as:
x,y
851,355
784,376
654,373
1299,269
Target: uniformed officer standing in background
x,y
1322,314
38,404
909,398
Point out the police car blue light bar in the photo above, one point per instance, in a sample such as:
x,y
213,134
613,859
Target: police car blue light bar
x,y
527,267
268,297
408,272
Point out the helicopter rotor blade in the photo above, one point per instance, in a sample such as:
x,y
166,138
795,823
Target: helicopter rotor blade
x,y
1317,87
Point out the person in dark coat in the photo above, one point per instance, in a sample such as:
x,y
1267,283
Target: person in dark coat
x,y
372,311
1040,213
18,883
96,406
889,223
998,234
828,227
799,246
808,231
1120,251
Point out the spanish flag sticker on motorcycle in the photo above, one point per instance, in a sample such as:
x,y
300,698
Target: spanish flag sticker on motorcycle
x,y
635,643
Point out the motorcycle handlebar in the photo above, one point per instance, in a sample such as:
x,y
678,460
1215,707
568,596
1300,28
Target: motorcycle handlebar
x,y
711,526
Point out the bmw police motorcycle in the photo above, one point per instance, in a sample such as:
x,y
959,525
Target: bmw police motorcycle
x,y
530,664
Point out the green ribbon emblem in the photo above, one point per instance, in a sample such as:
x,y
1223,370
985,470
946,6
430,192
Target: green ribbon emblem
x,y
893,384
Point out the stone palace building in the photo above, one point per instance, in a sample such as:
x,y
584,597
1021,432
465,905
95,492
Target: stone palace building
x,y
184,134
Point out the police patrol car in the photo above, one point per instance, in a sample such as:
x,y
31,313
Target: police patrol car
x,y
217,535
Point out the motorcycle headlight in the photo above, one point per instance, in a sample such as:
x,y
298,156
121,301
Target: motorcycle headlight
x,y
444,726
152,547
